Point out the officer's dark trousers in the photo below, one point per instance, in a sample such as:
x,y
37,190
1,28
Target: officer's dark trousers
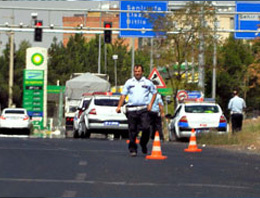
x,y
236,120
156,124
138,121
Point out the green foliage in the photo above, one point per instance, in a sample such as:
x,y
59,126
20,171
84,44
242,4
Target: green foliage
x,y
233,59
19,66
182,46
57,63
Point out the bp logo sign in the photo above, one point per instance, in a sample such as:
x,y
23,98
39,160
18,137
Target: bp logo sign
x,y
37,59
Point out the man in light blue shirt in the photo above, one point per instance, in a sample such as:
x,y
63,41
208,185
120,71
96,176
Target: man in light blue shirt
x,y
236,106
156,115
138,89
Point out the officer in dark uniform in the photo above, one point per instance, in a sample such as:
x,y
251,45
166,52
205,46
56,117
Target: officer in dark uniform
x,y
138,106
156,115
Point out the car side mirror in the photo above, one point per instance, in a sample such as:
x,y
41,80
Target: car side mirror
x,y
168,116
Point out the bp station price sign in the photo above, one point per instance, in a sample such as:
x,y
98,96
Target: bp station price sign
x,y
33,90
35,85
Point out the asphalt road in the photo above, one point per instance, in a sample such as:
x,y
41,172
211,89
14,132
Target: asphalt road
x,y
96,167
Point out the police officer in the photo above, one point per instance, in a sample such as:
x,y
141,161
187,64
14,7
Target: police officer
x,y
236,106
138,106
156,115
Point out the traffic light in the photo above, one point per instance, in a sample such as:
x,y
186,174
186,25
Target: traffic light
x,y
107,33
38,30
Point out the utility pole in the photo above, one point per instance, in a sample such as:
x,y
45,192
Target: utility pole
x,y
11,69
133,56
99,42
115,57
151,55
214,61
201,71
105,56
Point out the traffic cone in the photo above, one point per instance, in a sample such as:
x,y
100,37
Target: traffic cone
x,y
137,141
192,144
156,150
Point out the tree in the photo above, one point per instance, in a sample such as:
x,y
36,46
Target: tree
x,y
4,76
19,66
58,69
234,58
253,78
181,45
3,82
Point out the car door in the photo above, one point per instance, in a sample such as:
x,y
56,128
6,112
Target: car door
x,y
175,116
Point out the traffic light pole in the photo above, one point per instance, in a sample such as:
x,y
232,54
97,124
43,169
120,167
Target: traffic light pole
x,y
99,47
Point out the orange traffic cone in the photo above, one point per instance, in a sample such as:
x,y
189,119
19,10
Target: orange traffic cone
x,y
137,141
192,144
156,151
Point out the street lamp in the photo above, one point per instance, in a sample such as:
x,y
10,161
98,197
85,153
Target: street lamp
x,y
115,57
34,16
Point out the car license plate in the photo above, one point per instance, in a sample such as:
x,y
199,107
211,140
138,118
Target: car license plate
x,y
13,118
109,123
203,125
201,130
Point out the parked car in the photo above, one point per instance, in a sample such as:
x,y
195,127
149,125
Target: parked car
x,y
83,105
15,120
201,116
101,117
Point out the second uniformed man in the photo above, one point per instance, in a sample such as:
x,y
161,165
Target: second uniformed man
x,y
138,106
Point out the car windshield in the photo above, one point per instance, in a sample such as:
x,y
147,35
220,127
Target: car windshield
x,y
201,109
106,102
14,112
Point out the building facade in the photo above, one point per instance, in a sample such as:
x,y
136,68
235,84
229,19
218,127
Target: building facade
x,y
96,20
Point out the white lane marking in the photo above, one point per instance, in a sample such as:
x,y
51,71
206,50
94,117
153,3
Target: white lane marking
x,y
83,163
62,149
122,183
81,176
15,136
69,193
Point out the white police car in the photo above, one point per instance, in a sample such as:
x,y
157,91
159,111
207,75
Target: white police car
x,y
202,116
83,105
101,117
